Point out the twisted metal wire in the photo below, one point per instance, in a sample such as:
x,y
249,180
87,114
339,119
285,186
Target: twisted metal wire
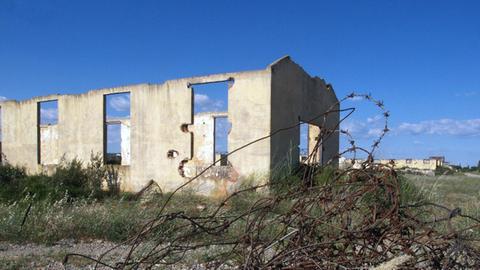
x,y
354,220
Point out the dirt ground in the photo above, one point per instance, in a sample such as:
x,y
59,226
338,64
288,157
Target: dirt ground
x,y
35,256
38,256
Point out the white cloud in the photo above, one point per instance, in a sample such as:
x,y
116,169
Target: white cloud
x,y
223,127
49,115
442,127
206,104
356,98
201,99
372,127
3,98
120,103
375,119
374,132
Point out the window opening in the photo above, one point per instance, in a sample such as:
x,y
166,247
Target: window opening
x,y
303,146
222,129
117,128
210,109
47,116
49,112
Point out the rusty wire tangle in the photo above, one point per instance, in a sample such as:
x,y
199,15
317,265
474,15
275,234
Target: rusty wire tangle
x,y
353,219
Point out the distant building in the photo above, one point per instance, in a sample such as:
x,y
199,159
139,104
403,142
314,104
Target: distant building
x,y
422,165
440,160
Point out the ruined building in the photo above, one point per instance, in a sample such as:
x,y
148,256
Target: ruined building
x,y
164,140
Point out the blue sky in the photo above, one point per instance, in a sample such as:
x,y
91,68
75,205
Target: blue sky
x,y
422,58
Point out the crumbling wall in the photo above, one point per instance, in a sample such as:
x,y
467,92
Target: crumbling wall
x,y
157,115
81,122
203,130
79,132
163,142
249,115
297,97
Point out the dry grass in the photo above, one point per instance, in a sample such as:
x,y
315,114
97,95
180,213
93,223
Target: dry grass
x,y
450,190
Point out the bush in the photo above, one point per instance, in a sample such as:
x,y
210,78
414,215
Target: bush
x,y
72,178
9,173
294,180
441,170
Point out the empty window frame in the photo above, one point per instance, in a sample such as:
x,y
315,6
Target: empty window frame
x,y
222,129
212,99
303,146
47,119
117,128
48,112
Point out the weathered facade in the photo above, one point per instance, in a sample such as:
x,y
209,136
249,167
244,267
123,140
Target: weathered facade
x,y
164,141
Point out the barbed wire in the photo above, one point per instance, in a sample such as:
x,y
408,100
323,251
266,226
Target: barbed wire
x,y
355,219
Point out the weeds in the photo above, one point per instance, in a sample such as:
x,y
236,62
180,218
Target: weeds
x,y
71,177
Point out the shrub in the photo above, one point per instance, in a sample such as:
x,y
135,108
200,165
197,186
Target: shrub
x,y
441,170
9,173
96,173
72,178
113,183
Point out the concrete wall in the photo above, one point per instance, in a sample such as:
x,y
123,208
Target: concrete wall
x,y
249,113
20,133
49,145
79,132
157,114
162,121
203,130
298,97
125,143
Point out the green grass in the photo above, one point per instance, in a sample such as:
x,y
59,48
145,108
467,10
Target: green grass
x,y
113,219
452,191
